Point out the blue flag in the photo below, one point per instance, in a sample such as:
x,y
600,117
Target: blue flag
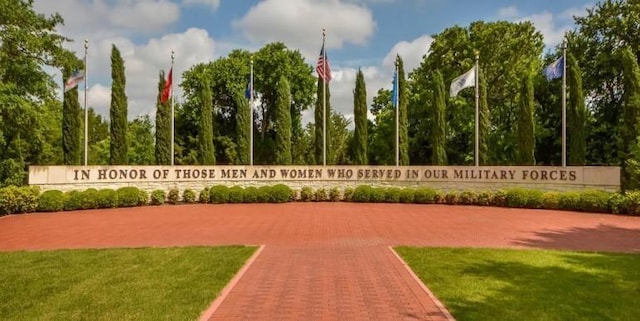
x,y
394,91
555,69
248,90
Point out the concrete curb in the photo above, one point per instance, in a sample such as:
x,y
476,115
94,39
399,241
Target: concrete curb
x,y
437,302
207,314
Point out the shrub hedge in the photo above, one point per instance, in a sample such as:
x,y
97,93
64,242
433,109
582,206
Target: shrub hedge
x,y
29,199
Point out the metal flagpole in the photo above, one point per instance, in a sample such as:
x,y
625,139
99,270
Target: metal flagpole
x,y
396,100
324,100
564,103
86,111
251,110
477,143
173,113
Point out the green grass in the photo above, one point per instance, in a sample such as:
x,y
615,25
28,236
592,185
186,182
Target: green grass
x,y
486,284
115,284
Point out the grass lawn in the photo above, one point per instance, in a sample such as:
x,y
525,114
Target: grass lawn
x,y
115,284
488,284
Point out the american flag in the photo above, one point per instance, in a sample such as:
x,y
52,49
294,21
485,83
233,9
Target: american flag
x,y
322,67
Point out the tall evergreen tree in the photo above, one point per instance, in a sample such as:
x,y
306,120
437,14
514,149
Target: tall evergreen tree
x,y
525,128
163,126
485,120
206,150
71,125
243,129
360,138
439,136
577,114
403,123
319,121
630,129
118,110
283,123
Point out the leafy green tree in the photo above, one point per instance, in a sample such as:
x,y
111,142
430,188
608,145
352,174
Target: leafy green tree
x,y
360,120
525,128
99,139
341,139
630,129
140,134
576,115
601,33
118,110
283,123
228,75
163,126
485,121
243,129
323,101
439,136
381,146
402,114
452,52
206,149
29,43
71,125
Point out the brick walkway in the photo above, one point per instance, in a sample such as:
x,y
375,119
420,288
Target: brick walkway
x,y
323,261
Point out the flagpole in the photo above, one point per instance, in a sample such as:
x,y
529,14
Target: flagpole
x,y
251,110
86,112
173,114
564,103
477,140
396,100
324,101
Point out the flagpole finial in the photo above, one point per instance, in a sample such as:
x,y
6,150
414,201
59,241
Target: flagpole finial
x,y
172,55
477,53
324,32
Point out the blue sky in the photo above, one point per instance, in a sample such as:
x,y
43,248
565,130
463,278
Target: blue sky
x,y
363,34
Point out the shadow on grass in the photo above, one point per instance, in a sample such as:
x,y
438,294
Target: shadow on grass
x,y
602,238
484,284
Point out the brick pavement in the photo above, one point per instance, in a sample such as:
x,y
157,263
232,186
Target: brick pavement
x,y
323,261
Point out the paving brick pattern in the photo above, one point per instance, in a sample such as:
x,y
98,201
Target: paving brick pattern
x,y
323,261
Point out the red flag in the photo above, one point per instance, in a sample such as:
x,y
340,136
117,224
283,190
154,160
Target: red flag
x,y
322,67
166,90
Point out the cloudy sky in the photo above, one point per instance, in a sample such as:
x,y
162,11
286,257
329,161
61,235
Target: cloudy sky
x,y
363,34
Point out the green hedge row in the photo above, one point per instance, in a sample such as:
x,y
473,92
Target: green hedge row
x,y
29,199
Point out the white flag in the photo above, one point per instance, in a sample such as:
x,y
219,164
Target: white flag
x,y
467,80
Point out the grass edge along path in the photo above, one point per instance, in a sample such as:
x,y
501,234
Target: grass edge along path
x,y
176,283
504,284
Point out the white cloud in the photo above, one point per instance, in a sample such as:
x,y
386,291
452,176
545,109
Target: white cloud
x,y
213,4
299,23
508,12
101,17
144,15
552,26
412,52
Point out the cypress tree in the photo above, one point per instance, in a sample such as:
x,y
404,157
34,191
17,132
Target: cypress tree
x,y
630,129
205,131
243,129
403,123
577,114
71,125
525,130
283,123
439,138
485,121
163,126
319,123
360,138
118,111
